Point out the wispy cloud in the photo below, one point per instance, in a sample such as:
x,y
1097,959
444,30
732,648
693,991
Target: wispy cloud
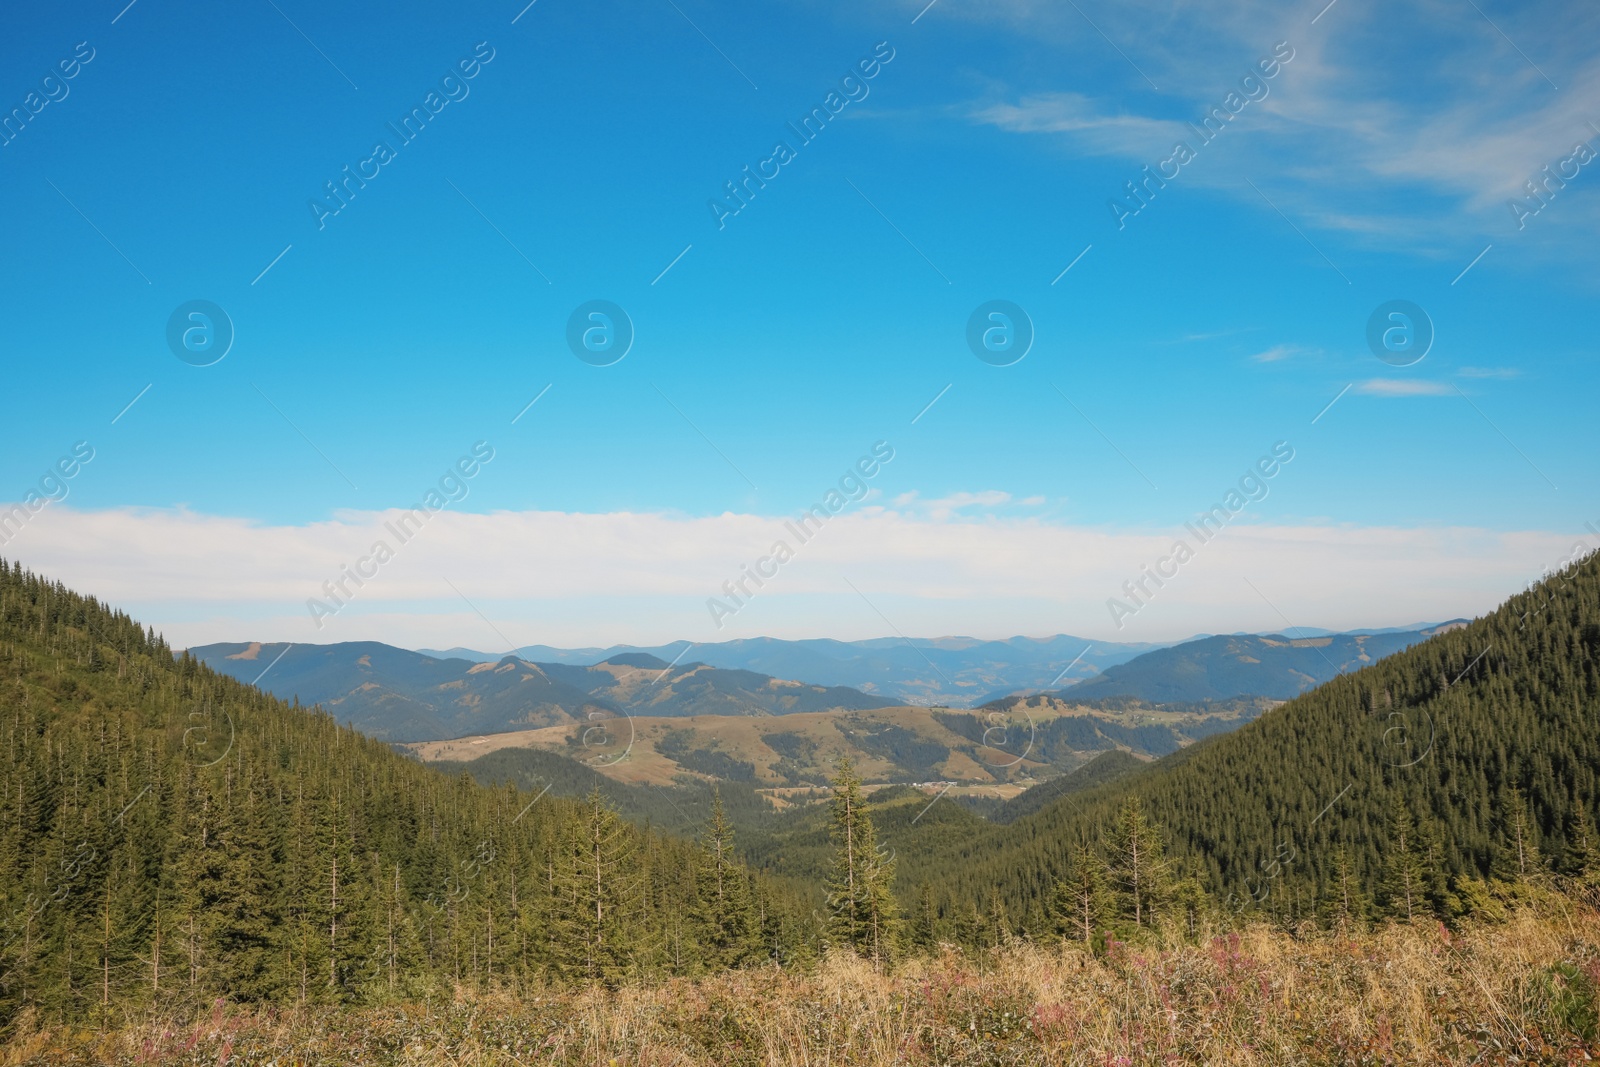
x,y
1109,134
1391,145
1403,387
1278,352
947,507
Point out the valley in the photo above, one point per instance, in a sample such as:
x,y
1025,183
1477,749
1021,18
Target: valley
x,y
1449,783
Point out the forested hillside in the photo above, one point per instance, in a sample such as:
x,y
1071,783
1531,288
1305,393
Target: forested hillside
x,y
169,835
1234,665
1411,787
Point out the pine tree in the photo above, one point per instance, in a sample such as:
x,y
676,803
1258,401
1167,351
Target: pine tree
x,y
1189,903
197,871
1345,907
1517,860
999,923
724,916
598,890
1580,861
247,919
1140,872
1081,904
304,940
862,914
397,962
1436,880
923,931
1405,877
970,928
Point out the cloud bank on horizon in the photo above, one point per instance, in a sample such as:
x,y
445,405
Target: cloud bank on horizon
x,y
508,579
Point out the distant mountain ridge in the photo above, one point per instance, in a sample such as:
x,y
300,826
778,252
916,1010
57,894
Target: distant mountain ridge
x,y
950,671
397,695
1230,666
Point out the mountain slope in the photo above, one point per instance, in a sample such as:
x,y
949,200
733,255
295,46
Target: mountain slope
x,y
1444,735
1034,738
1235,665
1106,767
681,808
397,695
646,685
169,836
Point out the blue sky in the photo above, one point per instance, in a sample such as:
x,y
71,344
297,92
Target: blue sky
x,y
823,317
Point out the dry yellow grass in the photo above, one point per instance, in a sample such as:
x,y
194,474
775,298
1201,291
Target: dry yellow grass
x,y
1518,992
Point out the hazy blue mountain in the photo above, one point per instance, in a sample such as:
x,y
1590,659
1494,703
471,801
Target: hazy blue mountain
x,y
953,671
398,695
1235,665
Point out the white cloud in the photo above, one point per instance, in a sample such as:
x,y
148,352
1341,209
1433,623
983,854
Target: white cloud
x,y
948,506
595,579
1105,134
1277,352
1404,387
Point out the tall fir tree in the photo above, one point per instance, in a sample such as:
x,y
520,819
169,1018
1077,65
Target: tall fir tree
x,y
247,918
862,913
1081,904
725,923
1405,873
923,930
1139,869
1580,860
1345,905
1517,859
598,890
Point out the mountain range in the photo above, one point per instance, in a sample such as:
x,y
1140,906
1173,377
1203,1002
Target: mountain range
x,y
396,695
1151,704
941,671
950,671
1235,665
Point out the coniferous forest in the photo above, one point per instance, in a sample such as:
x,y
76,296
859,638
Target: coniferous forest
x,y
174,842
172,835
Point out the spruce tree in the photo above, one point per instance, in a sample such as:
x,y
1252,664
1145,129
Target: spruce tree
x,y
725,922
1580,861
1405,877
862,914
1517,858
1189,903
1081,904
923,929
598,890
245,908
1345,906
1140,872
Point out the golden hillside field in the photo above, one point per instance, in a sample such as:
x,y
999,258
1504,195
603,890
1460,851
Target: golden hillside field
x,y
1030,740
